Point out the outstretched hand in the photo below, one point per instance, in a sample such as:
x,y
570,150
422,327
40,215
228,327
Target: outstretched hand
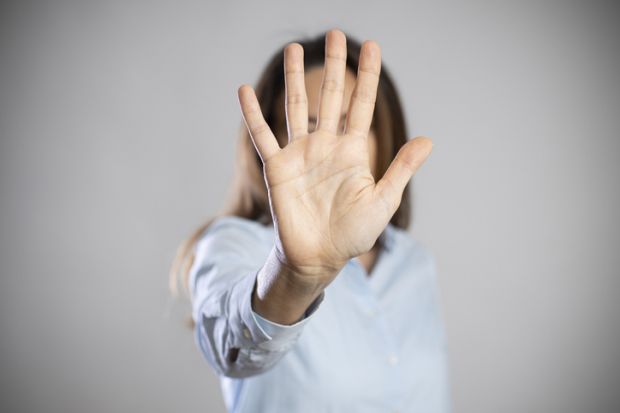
x,y
326,206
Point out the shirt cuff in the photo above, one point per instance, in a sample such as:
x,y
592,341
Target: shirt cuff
x,y
273,329
264,333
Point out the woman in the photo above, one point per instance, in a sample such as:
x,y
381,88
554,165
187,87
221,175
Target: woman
x,y
308,293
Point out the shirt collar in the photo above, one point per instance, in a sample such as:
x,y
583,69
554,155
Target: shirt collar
x,y
387,237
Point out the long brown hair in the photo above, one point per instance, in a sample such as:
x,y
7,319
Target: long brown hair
x,y
248,195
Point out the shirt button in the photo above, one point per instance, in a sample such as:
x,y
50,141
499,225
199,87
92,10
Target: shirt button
x,y
393,359
246,332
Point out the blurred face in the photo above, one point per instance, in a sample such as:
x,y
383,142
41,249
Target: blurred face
x,y
314,77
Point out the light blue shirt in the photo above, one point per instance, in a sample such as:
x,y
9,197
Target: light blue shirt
x,y
366,344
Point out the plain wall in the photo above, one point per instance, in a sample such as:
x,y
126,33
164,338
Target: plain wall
x,y
118,124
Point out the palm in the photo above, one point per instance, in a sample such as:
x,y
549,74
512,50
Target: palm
x,y
320,189
325,204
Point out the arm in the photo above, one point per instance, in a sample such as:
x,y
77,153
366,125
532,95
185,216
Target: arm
x,y
282,295
325,205
234,339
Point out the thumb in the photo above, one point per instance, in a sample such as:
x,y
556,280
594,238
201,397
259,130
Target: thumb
x,y
410,157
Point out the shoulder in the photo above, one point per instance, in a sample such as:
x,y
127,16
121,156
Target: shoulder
x,y
229,242
234,232
236,224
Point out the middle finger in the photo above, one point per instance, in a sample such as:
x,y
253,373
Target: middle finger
x,y
332,87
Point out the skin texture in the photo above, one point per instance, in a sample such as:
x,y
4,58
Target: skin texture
x,y
325,203
313,79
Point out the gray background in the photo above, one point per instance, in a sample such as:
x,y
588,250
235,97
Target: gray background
x,y
118,122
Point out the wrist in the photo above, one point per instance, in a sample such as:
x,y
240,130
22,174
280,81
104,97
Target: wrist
x,y
282,295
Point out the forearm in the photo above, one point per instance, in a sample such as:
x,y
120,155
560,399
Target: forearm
x,y
281,294
223,280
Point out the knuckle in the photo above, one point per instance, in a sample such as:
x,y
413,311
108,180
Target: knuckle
x,y
338,57
299,131
296,99
332,85
364,94
260,128
373,72
407,164
294,73
357,132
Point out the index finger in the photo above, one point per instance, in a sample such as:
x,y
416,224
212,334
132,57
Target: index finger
x,y
361,108
263,138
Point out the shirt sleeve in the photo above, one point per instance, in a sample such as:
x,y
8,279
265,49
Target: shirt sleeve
x,y
234,339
